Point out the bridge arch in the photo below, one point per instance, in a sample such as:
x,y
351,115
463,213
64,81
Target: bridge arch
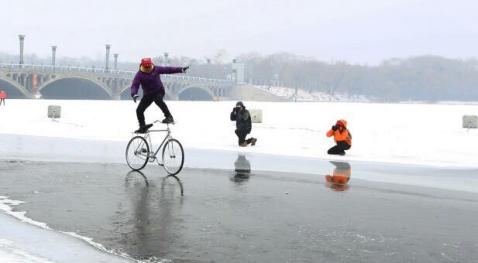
x,y
17,86
195,93
96,83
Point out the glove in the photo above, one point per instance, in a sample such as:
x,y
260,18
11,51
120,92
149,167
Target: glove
x,y
135,97
185,68
335,127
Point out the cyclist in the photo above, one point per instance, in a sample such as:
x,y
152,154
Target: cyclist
x,y
149,78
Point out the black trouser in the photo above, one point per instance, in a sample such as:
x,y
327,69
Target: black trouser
x,y
339,148
241,134
146,101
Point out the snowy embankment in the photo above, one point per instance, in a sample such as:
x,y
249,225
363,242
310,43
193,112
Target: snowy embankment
x,y
303,95
36,243
99,130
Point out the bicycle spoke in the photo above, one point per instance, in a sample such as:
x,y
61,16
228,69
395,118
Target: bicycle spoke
x,y
137,153
173,157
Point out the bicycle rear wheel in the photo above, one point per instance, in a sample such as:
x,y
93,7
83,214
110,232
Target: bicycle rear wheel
x,y
137,153
173,157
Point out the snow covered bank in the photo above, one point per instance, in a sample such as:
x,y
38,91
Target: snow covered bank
x,y
31,241
399,133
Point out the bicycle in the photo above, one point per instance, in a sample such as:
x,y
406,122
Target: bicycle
x,y
138,152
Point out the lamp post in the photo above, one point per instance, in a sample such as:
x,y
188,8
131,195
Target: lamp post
x,y
115,65
53,56
166,55
107,62
22,41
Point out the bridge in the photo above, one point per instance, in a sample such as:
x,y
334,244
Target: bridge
x,y
47,81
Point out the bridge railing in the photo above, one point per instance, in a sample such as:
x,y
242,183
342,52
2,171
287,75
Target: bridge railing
x,y
123,73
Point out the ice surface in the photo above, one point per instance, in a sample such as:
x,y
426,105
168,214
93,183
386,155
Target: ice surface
x,y
97,131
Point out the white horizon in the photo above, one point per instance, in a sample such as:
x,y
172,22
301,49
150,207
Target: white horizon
x,y
365,32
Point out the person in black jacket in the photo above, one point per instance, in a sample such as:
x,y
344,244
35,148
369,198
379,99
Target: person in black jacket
x,y
243,124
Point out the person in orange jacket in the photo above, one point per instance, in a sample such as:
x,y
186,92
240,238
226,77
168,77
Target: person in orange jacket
x,y
342,137
3,97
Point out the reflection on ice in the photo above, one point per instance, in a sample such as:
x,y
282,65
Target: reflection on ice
x,y
163,183
340,177
154,209
131,174
242,169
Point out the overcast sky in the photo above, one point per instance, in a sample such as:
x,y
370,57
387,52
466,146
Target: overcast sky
x,y
358,31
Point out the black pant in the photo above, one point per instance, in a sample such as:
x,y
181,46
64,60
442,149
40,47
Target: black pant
x,y
241,134
339,148
146,101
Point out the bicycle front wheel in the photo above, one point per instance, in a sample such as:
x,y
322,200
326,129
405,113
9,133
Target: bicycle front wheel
x,y
173,157
137,153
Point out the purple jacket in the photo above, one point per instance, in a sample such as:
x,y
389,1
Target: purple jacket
x,y
151,82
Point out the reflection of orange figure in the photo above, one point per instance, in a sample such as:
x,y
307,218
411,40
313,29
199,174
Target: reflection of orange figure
x,y
340,177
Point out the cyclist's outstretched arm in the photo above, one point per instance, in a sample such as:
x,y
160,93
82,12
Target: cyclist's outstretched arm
x,y
167,70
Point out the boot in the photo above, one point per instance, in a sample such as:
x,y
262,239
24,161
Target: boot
x,y
253,141
143,129
168,119
244,144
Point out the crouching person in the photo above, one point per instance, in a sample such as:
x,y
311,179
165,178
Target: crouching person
x,y
243,124
342,137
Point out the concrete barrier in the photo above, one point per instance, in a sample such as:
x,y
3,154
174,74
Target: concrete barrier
x,y
470,121
54,111
256,115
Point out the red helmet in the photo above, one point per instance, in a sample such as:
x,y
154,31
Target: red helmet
x,y
146,62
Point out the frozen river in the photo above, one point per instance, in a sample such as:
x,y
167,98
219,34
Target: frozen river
x,y
242,214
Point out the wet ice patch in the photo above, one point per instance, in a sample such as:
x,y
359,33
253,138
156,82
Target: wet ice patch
x,y
7,205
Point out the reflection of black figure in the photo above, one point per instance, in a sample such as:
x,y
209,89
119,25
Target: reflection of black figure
x,y
340,177
242,169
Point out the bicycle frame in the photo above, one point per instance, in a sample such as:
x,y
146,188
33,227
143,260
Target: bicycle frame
x,y
143,151
147,137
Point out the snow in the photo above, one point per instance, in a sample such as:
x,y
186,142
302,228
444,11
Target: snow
x,y
303,95
29,241
425,134
97,131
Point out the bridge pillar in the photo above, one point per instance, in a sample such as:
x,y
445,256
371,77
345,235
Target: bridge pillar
x,y
107,64
22,40
53,56
116,61
166,58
